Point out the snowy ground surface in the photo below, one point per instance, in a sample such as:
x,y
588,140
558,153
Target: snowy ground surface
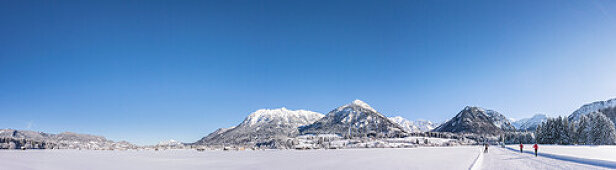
x,y
607,153
450,158
502,158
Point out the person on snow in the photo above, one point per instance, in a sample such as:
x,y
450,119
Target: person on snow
x,y
486,148
521,147
536,147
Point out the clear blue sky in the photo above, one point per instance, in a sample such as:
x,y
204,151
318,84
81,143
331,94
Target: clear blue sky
x,y
146,71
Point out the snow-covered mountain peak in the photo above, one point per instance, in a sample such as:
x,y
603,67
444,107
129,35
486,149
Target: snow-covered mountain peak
x,y
470,107
281,115
475,119
355,119
358,103
263,125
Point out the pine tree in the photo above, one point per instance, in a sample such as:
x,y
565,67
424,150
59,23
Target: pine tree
x,y
572,133
582,130
602,131
564,129
539,133
610,133
547,130
553,131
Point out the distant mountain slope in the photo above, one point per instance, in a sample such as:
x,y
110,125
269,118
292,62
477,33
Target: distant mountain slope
x,y
471,120
499,120
531,123
592,107
413,126
356,119
66,140
262,126
610,113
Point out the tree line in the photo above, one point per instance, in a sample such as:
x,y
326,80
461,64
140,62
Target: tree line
x,y
592,129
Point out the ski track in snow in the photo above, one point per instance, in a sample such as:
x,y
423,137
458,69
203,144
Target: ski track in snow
x,y
507,158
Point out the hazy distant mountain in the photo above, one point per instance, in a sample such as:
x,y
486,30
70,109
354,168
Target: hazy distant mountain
x,y
474,120
356,119
262,126
592,107
413,126
170,142
530,124
66,140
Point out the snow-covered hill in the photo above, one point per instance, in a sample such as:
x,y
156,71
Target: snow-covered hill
x,y
16,139
413,126
591,107
354,119
471,120
531,123
262,126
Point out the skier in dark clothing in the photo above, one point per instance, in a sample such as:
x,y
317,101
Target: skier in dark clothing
x,y
486,148
536,147
521,147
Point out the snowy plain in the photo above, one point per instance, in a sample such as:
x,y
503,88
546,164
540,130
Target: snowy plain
x,y
510,159
599,156
603,152
450,158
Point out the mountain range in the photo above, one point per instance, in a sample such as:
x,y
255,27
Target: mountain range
x,y
270,127
414,126
67,140
273,127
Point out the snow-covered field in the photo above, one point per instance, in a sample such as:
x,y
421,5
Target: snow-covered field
x,y
598,156
450,158
607,153
502,158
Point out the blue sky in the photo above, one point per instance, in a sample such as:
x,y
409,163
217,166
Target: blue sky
x,y
147,71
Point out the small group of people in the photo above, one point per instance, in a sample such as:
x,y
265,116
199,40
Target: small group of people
x,y
535,146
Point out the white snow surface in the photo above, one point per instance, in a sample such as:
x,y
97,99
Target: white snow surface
x,y
602,152
505,159
449,158
282,115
